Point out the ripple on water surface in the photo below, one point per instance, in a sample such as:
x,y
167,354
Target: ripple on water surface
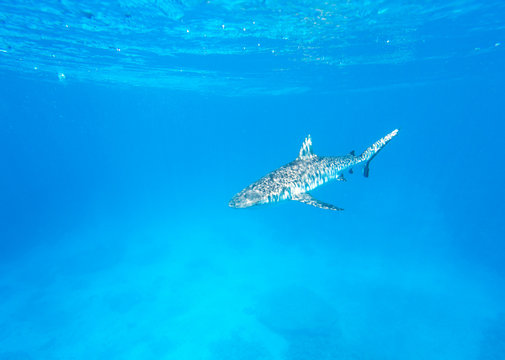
x,y
239,47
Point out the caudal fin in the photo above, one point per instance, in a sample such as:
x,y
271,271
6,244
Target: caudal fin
x,y
370,153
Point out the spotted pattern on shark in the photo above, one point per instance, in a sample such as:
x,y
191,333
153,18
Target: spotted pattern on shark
x,y
293,181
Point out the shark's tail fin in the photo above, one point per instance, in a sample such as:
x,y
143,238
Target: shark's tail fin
x,y
370,153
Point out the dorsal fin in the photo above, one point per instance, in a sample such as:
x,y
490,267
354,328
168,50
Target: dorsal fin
x,y
306,149
352,152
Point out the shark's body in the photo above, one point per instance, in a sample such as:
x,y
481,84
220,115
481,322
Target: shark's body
x,y
294,180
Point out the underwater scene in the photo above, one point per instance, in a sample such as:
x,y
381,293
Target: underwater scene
x,y
209,180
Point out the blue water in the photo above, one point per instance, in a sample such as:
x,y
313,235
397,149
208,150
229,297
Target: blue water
x,y
125,129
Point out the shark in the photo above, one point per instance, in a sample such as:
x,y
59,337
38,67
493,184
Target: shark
x,y
295,180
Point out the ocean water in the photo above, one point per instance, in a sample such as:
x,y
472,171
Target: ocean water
x,y
127,126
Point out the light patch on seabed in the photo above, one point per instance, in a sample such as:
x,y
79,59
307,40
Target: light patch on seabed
x,y
381,301
216,288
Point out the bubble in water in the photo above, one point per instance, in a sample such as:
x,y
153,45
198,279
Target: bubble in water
x,y
61,76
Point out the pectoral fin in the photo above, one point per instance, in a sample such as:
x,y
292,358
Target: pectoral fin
x,y
306,198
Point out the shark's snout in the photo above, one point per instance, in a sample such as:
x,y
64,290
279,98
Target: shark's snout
x,y
232,203
245,198
238,203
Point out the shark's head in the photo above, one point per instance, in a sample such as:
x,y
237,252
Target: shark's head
x,y
248,197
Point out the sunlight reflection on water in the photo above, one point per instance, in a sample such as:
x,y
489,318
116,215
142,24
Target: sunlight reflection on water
x,y
246,46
